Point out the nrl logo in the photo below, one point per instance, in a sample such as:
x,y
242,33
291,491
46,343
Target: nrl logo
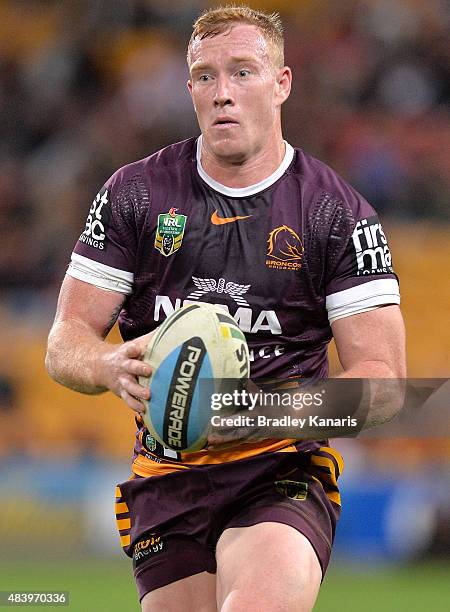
x,y
150,443
285,249
170,232
210,285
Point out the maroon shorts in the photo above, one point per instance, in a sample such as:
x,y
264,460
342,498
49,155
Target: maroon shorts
x,y
173,522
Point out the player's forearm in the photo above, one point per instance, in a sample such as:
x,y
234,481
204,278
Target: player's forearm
x,y
77,357
384,390
360,404
335,407
349,406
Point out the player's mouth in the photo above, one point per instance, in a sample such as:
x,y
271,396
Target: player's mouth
x,y
225,122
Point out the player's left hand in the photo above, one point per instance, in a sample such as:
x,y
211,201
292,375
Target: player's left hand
x,y
143,341
121,366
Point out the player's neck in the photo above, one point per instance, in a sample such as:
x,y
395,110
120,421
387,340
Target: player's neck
x,y
247,172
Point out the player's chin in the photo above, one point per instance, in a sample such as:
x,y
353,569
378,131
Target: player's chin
x,y
229,145
229,141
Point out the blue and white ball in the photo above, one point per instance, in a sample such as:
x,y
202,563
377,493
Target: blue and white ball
x,y
194,353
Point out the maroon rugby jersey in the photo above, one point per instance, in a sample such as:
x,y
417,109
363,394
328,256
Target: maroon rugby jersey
x,y
286,256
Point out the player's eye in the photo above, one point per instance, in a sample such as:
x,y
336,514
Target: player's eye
x,y
204,78
243,72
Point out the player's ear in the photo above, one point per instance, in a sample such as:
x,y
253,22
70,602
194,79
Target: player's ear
x,y
284,83
189,86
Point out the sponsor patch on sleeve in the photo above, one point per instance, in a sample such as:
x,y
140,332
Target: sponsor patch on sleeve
x,y
95,231
370,248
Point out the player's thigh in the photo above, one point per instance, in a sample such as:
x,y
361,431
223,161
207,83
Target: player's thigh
x,y
268,566
193,594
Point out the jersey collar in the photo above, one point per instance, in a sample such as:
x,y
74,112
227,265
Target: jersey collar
x,y
251,189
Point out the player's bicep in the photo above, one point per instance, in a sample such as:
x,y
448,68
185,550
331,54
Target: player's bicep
x,y
88,305
374,336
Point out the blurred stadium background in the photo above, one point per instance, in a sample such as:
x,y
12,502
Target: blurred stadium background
x,y
88,86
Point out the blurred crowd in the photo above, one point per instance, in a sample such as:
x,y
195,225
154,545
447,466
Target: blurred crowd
x,y
87,86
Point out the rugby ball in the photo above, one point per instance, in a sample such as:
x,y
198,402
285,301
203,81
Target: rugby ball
x,y
198,350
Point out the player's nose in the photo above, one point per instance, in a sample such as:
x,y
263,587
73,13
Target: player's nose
x,y
223,95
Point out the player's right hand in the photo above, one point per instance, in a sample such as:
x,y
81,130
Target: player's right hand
x,y
121,366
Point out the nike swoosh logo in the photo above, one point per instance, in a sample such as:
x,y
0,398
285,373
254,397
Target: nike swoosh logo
x,y
216,220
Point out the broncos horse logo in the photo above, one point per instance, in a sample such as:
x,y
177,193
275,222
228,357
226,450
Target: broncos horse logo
x,y
284,244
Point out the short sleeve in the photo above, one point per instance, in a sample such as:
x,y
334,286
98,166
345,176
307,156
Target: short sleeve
x,y
361,278
105,252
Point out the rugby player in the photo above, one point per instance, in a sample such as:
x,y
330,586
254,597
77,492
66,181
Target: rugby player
x,y
240,218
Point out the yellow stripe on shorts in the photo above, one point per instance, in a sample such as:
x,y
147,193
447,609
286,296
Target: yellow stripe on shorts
x,y
327,463
124,523
336,455
121,507
125,540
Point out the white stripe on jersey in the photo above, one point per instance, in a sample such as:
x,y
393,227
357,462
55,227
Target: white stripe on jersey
x,y
100,275
362,298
